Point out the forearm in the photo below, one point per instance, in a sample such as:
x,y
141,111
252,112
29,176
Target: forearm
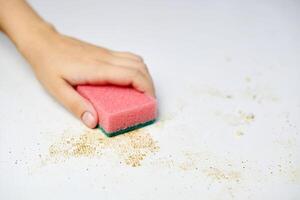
x,y
21,23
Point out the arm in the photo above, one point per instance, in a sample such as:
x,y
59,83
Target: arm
x,y
61,62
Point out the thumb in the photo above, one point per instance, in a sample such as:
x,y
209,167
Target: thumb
x,y
77,104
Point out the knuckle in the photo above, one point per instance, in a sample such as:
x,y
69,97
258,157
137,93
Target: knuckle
x,y
143,66
136,73
91,61
101,54
137,57
102,51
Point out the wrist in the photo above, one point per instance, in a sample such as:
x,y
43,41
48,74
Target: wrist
x,y
37,44
34,36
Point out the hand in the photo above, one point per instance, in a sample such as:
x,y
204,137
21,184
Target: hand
x,y
61,62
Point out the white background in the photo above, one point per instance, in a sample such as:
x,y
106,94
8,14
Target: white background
x,y
210,60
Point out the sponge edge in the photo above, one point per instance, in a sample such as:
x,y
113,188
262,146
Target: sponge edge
x,y
131,128
120,109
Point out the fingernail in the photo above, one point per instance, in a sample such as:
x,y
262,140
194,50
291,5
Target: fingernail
x,y
88,119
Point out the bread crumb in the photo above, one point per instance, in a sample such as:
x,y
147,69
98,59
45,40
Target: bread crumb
x,y
132,147
219,175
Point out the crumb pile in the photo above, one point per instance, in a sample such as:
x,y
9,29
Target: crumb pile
x,y
132,147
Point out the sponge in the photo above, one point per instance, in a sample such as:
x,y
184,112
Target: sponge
x,y
120,109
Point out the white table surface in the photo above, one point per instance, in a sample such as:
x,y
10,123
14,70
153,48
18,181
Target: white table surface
x,y
227,76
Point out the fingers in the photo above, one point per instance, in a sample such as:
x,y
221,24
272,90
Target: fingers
x,y
128,55
124,76
130,60
75,103
130,63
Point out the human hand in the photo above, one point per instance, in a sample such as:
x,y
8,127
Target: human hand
x,y
61,62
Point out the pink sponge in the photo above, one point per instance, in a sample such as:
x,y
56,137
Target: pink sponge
x,y
120,109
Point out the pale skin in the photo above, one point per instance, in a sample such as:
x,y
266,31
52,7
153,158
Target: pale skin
x,y
61,62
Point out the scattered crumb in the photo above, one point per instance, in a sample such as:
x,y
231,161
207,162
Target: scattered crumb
x,y
259,95
165,162
211,92
256,94
294,175
248,79
246,117
132,147
187,166
86,144
219,175
190,162
237,119
239,133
